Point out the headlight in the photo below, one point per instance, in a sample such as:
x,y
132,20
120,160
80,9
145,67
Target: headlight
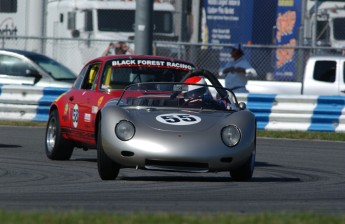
x,y
124,130
231,135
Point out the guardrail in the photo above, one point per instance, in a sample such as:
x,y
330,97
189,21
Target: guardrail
x,y
27,103
273,112
297,112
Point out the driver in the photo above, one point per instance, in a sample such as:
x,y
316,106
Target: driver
x,y
200,96
196,91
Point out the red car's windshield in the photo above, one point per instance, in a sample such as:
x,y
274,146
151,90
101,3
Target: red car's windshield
x,y
119,73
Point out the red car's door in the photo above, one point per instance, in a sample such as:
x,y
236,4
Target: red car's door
x,y
85,102
80,106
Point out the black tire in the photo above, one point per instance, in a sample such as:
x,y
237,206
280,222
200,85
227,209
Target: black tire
x,y
56,146
107,169
245,172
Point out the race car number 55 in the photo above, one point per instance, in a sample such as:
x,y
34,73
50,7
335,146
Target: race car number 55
x,y
178,119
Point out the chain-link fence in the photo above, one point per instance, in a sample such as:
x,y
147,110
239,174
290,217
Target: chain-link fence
x,y
74,53
268,60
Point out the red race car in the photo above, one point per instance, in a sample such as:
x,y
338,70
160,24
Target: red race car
x,y
73,115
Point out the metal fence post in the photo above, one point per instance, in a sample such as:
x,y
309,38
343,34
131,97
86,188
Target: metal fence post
x,y
143,27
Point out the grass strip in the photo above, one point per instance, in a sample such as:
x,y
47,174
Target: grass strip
x,y
75,217
309,135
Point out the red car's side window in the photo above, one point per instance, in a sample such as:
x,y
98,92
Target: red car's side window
x,y
90,76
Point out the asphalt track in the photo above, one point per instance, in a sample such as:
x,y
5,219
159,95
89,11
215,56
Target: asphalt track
x,y
290,175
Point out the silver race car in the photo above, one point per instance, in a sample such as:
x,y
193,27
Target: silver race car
x,y
195,125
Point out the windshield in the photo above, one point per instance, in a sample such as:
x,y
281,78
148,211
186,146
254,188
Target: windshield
x,y
110,20
178,95
339,28
53,68
118,73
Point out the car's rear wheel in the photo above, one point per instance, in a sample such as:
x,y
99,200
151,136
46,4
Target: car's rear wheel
x,y
244,172
56,146
107,169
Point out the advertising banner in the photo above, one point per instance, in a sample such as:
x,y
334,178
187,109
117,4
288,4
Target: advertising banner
x,y
227,22
288,21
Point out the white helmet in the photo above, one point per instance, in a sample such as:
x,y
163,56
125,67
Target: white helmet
x,y
196,90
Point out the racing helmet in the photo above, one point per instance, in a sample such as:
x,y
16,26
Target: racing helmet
x,y
195,91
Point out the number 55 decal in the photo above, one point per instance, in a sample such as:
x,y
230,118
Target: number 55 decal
x,y
178,119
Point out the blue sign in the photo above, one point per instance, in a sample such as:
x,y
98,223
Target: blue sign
x,y
288,21
227,22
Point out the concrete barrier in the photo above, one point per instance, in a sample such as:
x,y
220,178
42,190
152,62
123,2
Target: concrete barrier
x,y
27,103
273,112
297,112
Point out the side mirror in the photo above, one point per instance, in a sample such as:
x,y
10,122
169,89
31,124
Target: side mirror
x,y
242,105
33,73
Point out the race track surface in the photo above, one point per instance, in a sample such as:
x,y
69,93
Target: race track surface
x,y
290,175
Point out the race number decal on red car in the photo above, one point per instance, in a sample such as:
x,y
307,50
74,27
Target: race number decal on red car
x,y
75,116
178,119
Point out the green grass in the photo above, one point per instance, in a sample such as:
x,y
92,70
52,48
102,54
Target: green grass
x,y
166,218
330,136
22,123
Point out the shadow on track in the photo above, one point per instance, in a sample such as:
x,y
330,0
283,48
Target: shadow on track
x,y
10,146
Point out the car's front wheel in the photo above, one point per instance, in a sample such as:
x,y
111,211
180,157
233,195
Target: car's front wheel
x,y
56,146
107,169
244,172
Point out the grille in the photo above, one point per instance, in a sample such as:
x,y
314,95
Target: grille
x,y
176,166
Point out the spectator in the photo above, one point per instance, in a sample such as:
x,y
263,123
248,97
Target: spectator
x,y
237,71
120,47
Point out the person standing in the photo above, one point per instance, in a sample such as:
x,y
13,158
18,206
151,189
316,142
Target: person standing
x,y
120,47
237,71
